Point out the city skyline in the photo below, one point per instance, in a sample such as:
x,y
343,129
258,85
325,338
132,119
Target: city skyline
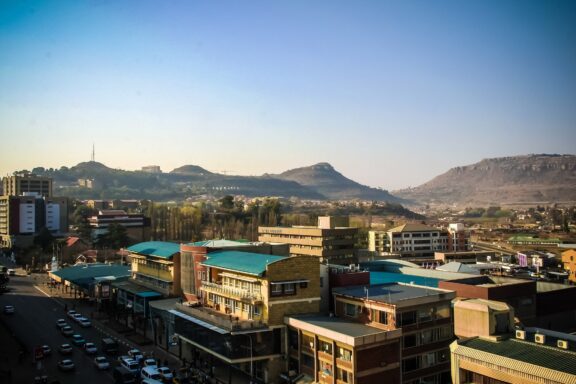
x,y
390,93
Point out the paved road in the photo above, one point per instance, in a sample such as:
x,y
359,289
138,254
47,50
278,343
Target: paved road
x,y
34,323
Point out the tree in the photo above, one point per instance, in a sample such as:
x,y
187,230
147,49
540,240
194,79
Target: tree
x,y
44,239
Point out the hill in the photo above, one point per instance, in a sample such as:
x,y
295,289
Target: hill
x,y
530,179
318,182
323,178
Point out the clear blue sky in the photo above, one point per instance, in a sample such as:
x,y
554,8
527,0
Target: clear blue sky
x,y
391,93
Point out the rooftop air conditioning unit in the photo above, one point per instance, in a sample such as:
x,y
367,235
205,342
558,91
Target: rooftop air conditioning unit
x,y
540,339
562,344
520,334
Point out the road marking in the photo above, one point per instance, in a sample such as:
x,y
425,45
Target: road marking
x,y
42,291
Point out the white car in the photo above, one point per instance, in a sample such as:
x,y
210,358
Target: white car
x,y
90,348
101,362
136,355
150,373
61,323
9,309
166,373
150,363
66,365
71,313
84,322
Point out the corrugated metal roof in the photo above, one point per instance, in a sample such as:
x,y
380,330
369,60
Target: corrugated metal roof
x,y
246,262
522,356
87,271
220,243
155,248
413,227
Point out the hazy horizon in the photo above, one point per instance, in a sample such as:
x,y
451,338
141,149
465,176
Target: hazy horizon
x,y
390,93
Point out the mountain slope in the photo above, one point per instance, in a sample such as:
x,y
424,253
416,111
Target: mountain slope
x,y
323,178
529,179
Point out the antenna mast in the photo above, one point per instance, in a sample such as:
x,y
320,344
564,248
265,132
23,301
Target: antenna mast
x,y
93,153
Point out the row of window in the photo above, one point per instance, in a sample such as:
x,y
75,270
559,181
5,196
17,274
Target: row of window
x,y
235,305
152,265
240,284
285,289
425,360
427,336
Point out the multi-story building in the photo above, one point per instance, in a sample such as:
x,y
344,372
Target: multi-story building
x,y
193,254
418,242
156,265
137,226
21,184
22,217
569,261
332,241
424,315
534,356
238,317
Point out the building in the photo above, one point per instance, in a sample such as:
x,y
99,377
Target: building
x,y
20,184
156,265
22,217
137,226
193,254
152,169
418,242
528,358
238,318
329,349
465,257
486,318
332,241
422,314
569,262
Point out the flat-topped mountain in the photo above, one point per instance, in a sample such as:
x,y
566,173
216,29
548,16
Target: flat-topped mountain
x,y
530,179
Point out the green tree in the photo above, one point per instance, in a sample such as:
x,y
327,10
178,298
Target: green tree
x,y
44,239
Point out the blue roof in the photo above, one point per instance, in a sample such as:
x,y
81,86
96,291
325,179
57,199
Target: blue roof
x,y
391,277
149,294
220,243
238,261
155,248
79,273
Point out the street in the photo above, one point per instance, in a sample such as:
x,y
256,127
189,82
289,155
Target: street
x,y
34,324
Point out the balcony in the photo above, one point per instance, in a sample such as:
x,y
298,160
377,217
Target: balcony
x,y
219,319
231,292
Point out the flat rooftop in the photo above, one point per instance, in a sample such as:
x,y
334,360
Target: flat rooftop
x,y
394,293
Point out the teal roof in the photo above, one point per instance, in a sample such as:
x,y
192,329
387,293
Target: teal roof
x,y
79,273
220,243
155,248
238,261
527,352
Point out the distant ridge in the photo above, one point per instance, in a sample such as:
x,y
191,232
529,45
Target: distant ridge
x,y
322,177
528,179
317,182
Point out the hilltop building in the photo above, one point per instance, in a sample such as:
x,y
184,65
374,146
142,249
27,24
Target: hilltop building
x,y
332,241
137,226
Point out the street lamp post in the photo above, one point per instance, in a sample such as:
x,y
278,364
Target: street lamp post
x,y
251,359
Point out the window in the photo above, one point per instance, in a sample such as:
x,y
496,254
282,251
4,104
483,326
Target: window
x,y
383,317
350,310
281,289
325,346
276,290
257,310
289,289
325,368
411,364
344,354
407,318
307,361
409,340
344,376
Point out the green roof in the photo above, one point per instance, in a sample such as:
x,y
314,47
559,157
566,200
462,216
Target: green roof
x,y
527,352
79,273
246,262
155,248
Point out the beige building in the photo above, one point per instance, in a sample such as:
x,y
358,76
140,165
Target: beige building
x,y
478,317
21,184
238,317
333,240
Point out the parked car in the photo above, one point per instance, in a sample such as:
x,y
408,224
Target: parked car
x,y
61,323
65,349
109,345
66,365
149,362
101,362
150,373
136,355
85,323
46,350
67,330
90,348
77,316
71,313
78,340
9,309
123,376
165,373
11,272
130,364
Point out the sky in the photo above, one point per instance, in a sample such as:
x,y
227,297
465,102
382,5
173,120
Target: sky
x,y
390,93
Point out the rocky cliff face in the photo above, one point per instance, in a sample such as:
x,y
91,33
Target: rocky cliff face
x,y
527,179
